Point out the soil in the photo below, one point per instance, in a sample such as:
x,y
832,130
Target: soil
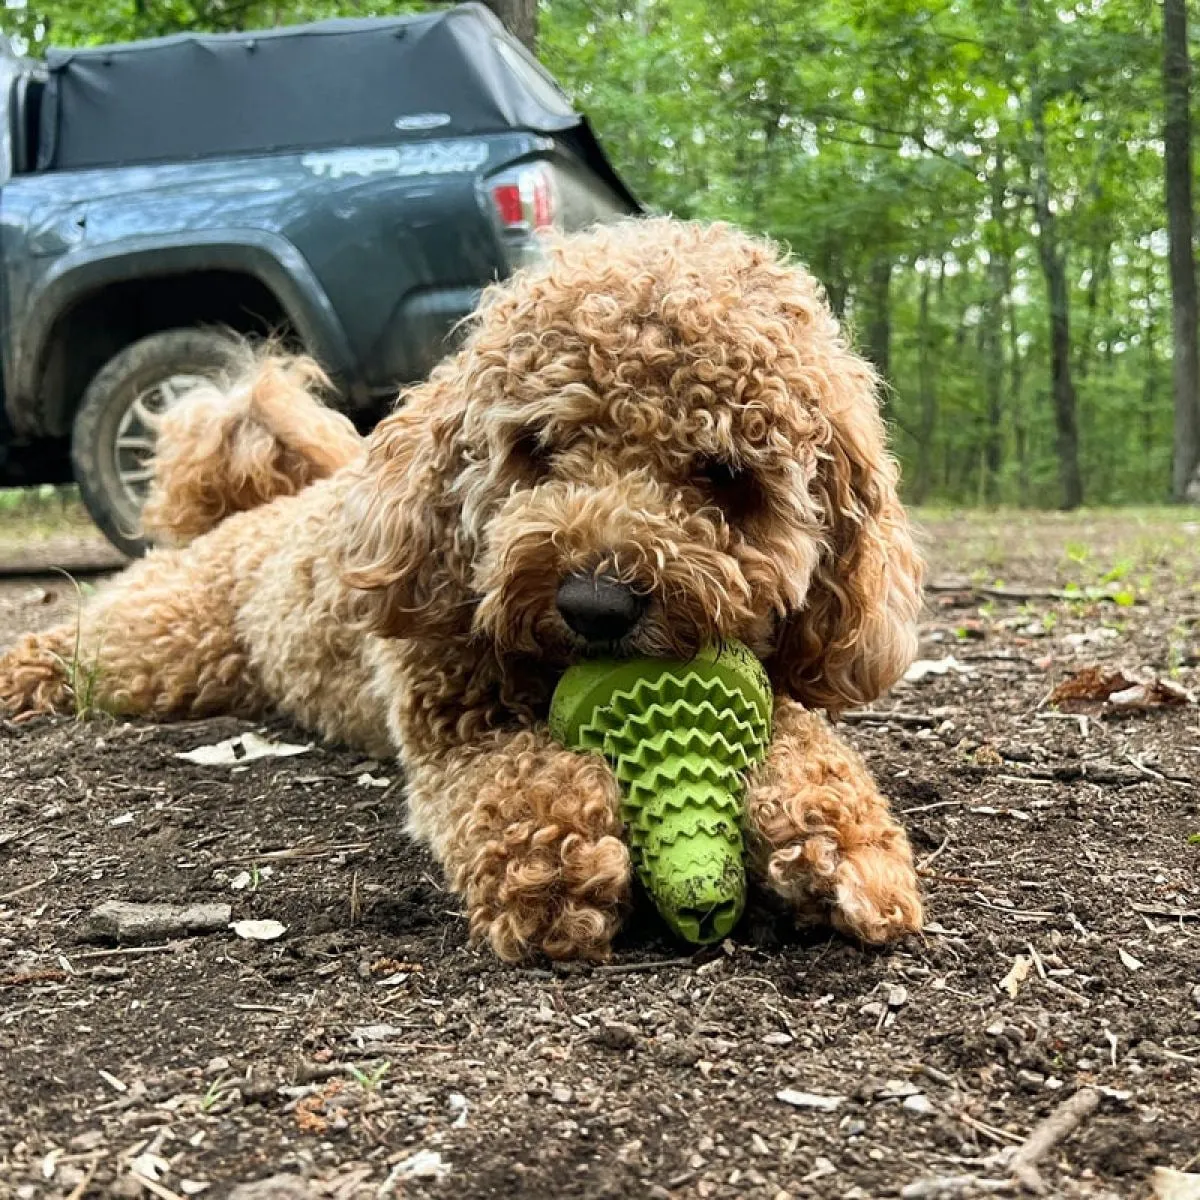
x,y
368,1051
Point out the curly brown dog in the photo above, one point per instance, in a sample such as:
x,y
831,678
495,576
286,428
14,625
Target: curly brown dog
x,y
654,439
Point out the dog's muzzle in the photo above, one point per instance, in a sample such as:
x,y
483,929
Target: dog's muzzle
x,y
599,609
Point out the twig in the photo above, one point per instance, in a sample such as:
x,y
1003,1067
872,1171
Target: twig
x,y
1060,1124
293,852
865,715
1027,913
632,968
1177,914
167,948
76,1193
929,858
30,887
904,812
1079,718
1000,1136
152,1185
961,880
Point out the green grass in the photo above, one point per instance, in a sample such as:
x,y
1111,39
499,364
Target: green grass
x,y
35,514
369,1081
83,678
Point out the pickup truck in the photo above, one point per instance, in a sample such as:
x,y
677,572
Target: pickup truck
x,y
346,186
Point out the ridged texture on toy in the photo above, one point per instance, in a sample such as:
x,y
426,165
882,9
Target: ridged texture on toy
x,y
680,737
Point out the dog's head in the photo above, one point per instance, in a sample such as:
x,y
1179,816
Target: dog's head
x,y
655,439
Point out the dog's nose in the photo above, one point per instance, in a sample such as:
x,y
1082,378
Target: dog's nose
x,y
599,609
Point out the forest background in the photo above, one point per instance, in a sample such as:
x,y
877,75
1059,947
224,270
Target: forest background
x,y
997,197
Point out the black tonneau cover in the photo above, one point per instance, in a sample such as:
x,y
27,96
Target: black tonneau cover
x,y
353,82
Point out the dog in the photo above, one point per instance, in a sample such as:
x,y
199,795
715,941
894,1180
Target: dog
x,y
654,439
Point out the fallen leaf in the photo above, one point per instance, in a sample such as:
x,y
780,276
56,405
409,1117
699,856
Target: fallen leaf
x,y
1175,1185
366,779
1017,974
241,749
149,1166
1130,963
259,931
810,1100
425,1164
924,667
1092,637
1158,693
1089,686
1118,691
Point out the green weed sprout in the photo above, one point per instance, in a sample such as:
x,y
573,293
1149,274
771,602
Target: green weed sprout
x,y
680,737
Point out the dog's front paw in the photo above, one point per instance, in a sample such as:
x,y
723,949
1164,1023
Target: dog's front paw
x,y
869,892
548,889
540,860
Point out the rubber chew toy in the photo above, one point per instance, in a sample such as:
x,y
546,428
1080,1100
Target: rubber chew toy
x,y
680,736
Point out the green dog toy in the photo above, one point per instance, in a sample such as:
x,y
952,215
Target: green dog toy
x,y
680,736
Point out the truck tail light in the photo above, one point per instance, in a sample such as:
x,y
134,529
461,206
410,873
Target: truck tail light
x,y
525,200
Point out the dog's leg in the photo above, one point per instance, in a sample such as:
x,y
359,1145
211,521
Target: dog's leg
x,y
530,836
35,675
159,641
822,836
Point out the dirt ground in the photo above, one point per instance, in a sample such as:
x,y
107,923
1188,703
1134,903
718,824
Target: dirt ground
x,y
368,1052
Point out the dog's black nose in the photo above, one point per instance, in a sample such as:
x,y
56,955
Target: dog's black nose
x,y
599,609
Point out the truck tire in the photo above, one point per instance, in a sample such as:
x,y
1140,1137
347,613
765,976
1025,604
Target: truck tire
x,y
112,441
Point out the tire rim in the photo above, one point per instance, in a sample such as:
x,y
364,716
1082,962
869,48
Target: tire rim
x,y
137,435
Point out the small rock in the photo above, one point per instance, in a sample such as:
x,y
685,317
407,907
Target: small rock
x,y
1196,995
561,1094
897,996
873,1009
276,1187
616,1036
216,1066
778,1039
918,1104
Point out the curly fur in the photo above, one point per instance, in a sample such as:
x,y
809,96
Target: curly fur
x,y
670,403
222,450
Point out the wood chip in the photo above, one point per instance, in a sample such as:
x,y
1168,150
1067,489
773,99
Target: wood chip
x,y
810,1100
1128,961
1017,974
120,921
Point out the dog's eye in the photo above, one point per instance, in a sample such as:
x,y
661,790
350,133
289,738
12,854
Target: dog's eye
x,y
720,474
530,455
734,489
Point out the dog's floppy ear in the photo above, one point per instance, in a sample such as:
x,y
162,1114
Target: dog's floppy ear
x,y
856,633
401,542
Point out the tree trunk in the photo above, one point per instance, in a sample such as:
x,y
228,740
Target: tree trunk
x,y
991,349
878,333
1054,270
1178,159
927,388
1149,382
520,17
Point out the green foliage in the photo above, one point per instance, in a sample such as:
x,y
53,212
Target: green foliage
x,y
901,150
894,147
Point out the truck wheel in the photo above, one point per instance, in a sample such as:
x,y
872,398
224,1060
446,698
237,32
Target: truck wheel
x,y
112,442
